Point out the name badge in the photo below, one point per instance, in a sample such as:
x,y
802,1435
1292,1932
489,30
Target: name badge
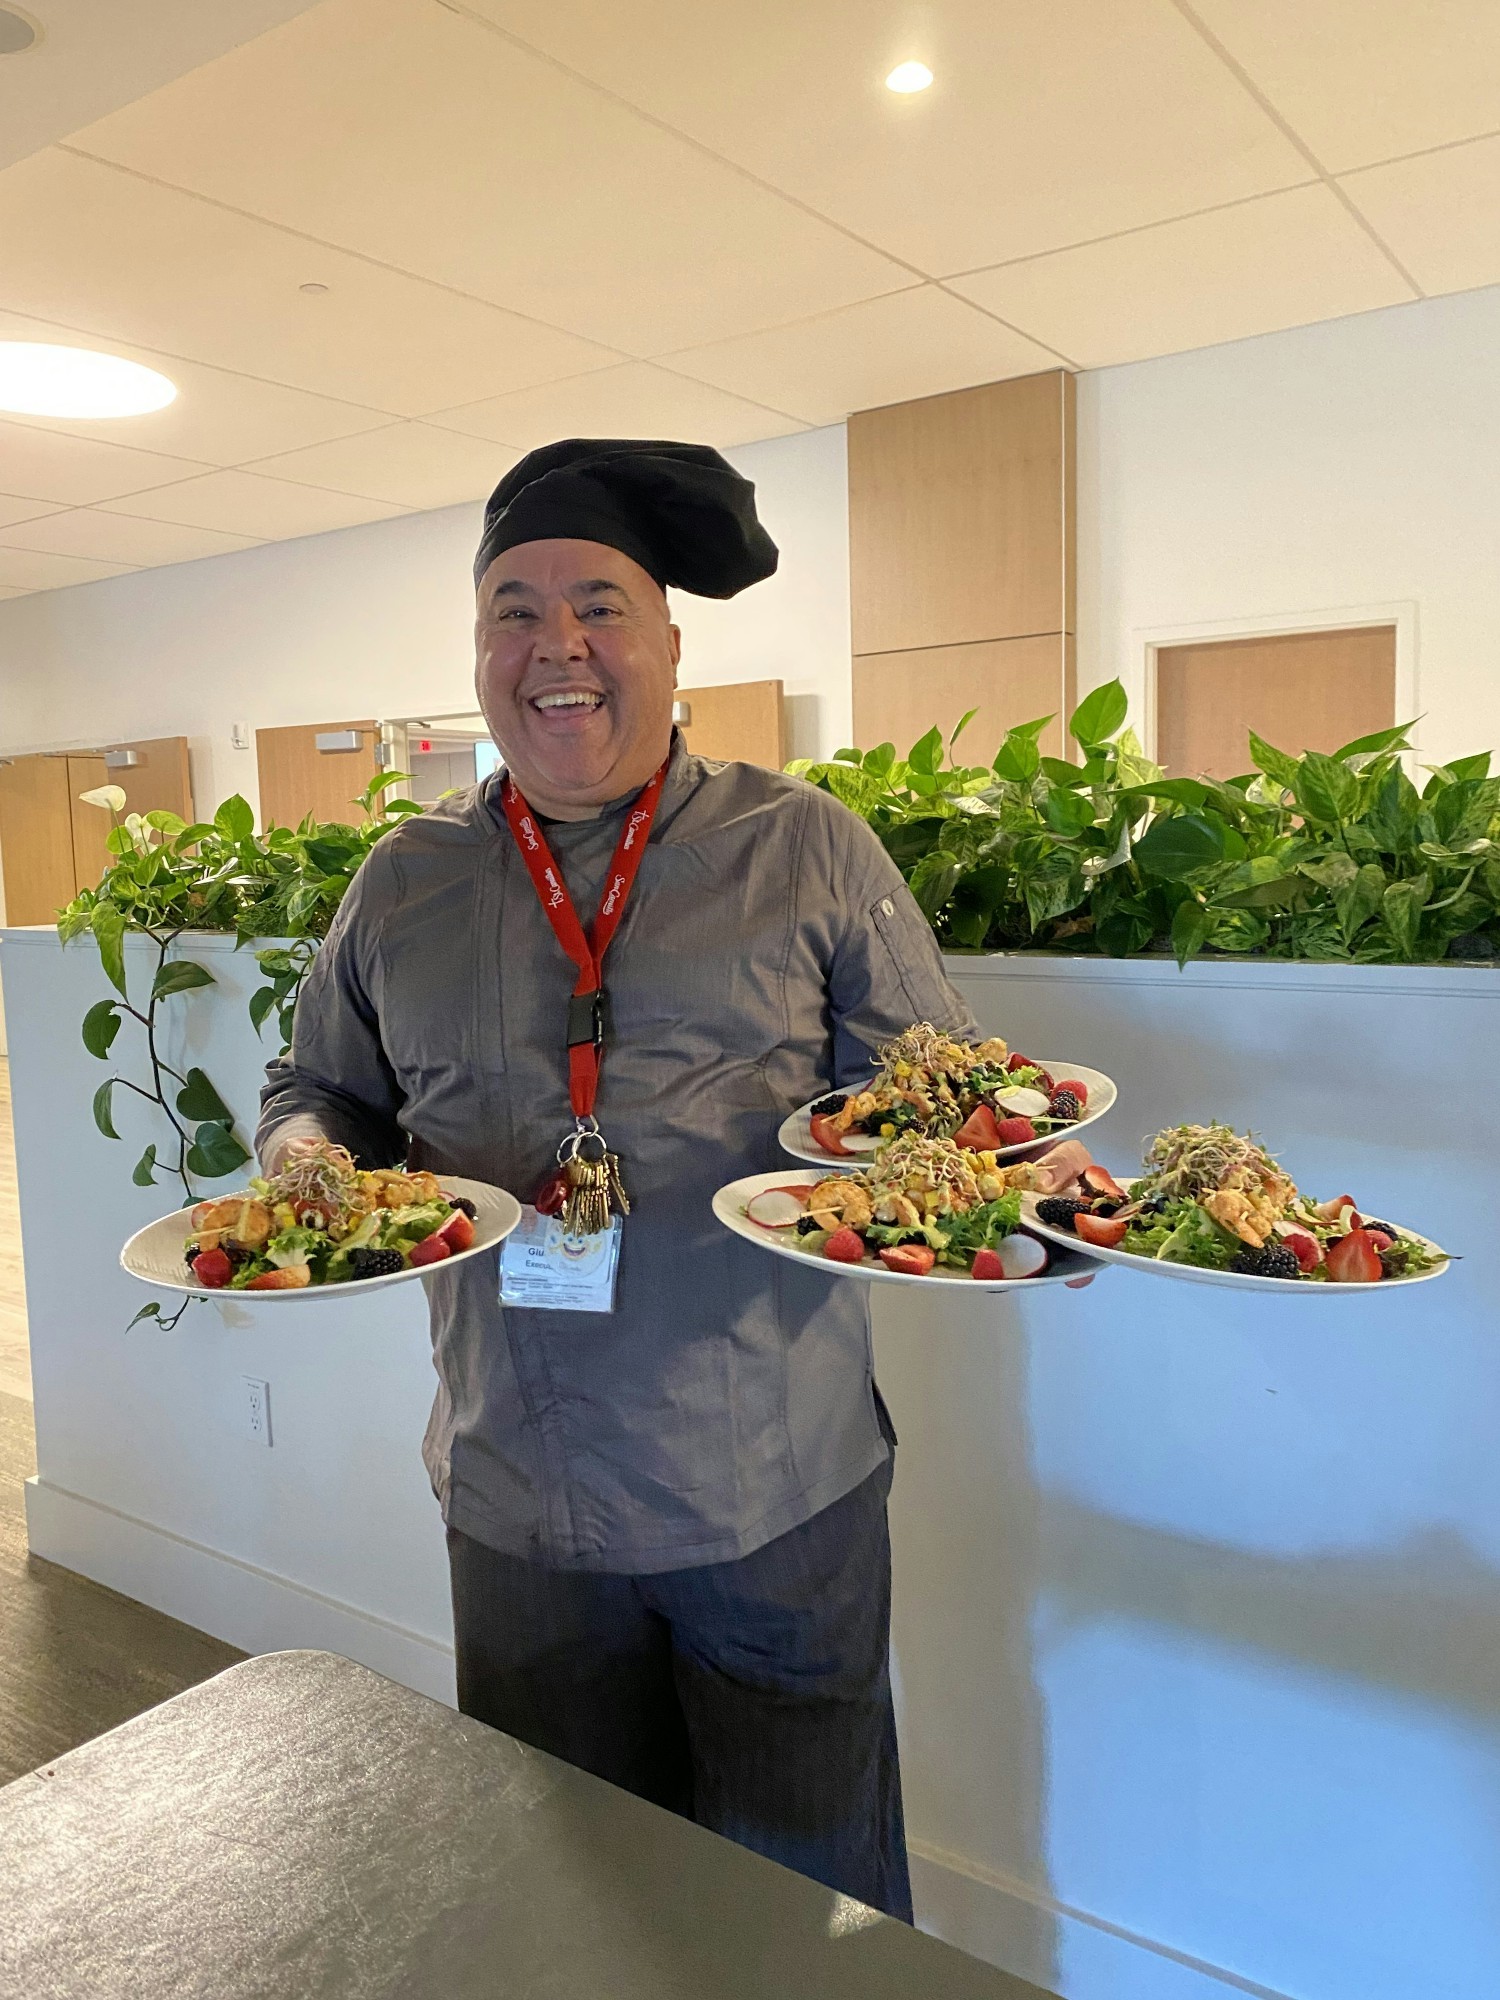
x,y
544,1267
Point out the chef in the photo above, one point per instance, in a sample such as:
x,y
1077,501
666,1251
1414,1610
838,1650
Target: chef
x,y
601,979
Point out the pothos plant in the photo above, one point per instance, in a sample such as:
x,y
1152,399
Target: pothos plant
x,y
1312,856
168,878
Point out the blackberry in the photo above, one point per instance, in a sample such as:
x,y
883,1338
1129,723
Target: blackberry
x,y
1063,1104
808,1226
463,1203
367,1263
826,1107
1058,1210
1389,1228
1271,1260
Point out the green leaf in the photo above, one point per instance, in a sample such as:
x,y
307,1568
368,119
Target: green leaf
x,y
1067,812
1191,927
848,756
262,1000
402,808
1359,899
151,1311
1477,766
170,823
234,819
198,1099
100,1026
1464,810
1382,739
1189,792
180,975
933,880
879,760
1324,788
102,1115
1052,886
1277,765
108,926
332,856
1277,892
1099,714
927,753
961,725
1332,871
1061,772
383,780
1391,818
1402,906
142,1174
215,1152
1176,847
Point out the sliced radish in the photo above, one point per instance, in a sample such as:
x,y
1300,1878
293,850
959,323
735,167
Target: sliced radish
x,y
1023,1103
1022,1256
862,1142
776,1208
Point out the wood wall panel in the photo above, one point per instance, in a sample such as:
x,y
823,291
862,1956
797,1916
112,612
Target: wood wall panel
x,y
1298,690
961,516
91,825
898,696
163,779
740,721
297,778
36,838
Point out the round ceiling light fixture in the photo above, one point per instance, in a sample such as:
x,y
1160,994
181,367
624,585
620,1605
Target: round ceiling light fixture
x,y
908,77
18,32
38,380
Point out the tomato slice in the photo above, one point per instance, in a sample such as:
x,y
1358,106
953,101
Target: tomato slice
x,y
825,1134
979,1132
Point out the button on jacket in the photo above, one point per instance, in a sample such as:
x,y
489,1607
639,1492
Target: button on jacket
x,y
769,945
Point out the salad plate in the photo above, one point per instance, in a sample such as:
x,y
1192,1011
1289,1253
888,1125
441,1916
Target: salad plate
x,y
1061,1265
1214,1208
396,1226
924,1081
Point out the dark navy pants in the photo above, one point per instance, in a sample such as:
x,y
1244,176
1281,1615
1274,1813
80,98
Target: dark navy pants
x,y
753,1696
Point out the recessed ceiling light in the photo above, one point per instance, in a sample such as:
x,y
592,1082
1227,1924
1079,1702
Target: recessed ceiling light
x,y
41,381
18,32
907,77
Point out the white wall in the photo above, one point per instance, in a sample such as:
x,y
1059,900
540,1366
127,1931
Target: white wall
x,y
1354,463
379,621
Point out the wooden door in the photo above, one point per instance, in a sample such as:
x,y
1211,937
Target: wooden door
x,y
87,770
161,779
740,722
297,777
1297,690
899,696
36,838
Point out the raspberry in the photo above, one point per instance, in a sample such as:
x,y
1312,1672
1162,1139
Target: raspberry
x,y
1015,1131
844,1247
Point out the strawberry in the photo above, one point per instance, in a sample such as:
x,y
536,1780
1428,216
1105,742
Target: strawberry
x,y
431,1250
1354,1259
912,1260
1329,1210
1379,1238
1101,1230
458,1231
1306,1249
1079,1090
1015,1132
1099,1180
844,1247
987,1265
212,1268
979,1132
1019,1061
826,1134
291,1279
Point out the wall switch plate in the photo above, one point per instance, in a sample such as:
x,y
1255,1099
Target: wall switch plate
x,y
239,735
255,1410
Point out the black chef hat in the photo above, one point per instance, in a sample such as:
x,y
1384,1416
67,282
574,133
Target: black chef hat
x,y
680,510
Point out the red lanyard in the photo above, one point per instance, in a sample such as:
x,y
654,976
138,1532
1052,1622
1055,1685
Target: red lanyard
x,y
585,948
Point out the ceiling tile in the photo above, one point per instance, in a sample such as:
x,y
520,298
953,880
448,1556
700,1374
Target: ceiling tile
x,y
247,503
915,343
634,401
1363,80
1285,260
414,465
1046,125
118,538
1440,213
217,417
13,509
76,471
83,244
429,141
26,570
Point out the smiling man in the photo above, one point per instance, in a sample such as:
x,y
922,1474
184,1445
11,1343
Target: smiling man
x,y
664,1480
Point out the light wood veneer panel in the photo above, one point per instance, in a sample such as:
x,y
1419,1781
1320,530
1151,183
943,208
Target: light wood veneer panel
x,y
36,838
1298,690
297,778
742,721
162,781
899,696
91,824
961,516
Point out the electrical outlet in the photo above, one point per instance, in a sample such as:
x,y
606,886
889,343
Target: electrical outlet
x,y
256,1410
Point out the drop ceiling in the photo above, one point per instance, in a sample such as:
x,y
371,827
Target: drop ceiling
x,y
384,246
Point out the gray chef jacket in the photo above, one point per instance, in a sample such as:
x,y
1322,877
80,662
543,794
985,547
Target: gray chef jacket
x,y
768,947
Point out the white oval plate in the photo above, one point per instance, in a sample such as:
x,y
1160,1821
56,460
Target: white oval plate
x,y
155,1254
1070,1261
797,1139
1242,1281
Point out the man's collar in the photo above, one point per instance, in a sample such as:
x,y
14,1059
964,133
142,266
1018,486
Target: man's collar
x,y
680,780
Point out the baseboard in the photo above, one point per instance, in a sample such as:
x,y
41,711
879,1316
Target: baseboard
x,y
234,1601
1063,1950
